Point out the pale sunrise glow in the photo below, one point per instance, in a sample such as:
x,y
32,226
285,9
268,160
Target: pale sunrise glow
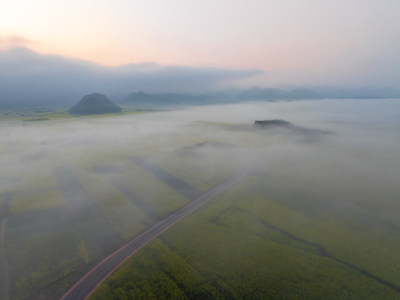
x,y
304,42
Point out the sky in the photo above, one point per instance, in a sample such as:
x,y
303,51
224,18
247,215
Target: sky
x,y
301,42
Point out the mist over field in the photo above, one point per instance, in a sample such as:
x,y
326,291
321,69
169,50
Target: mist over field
x,y
356,122
363,147
87,185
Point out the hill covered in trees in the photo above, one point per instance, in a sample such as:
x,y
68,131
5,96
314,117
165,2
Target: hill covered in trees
x,y
94,104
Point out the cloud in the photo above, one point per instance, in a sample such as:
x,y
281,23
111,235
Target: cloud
x,y
27,77
14,41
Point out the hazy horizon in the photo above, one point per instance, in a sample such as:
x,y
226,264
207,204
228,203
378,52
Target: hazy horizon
x,y
29,79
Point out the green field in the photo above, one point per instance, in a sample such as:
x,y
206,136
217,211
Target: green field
x,y
50,243
229,251
319,218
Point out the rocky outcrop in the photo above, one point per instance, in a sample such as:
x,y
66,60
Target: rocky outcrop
x,y
271,123
282,124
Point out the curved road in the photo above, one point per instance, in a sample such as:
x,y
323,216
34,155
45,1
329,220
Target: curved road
x,y
84,287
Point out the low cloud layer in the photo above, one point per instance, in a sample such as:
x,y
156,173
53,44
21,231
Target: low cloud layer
x,y
30,78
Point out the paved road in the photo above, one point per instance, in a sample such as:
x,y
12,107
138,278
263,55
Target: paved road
x,y
84,287
4,212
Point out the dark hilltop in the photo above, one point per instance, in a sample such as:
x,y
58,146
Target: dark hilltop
x,y
94,104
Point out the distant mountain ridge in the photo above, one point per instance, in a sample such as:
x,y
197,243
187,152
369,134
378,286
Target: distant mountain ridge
x,y
299,93
146,100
